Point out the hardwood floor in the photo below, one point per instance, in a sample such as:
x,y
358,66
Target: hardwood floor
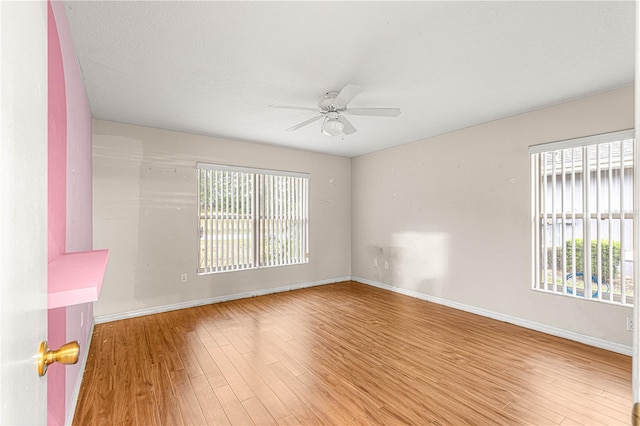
x,y
344,353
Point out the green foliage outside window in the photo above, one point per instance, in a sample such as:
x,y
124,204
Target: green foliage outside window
x,y
579,256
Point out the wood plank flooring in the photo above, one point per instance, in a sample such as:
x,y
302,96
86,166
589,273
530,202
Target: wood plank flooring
x,y
344,353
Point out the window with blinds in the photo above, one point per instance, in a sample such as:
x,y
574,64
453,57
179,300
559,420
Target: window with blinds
x,y
251,218
582,227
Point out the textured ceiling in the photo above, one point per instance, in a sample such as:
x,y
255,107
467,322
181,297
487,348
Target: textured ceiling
x,y
213,68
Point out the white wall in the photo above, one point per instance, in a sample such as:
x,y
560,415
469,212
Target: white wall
x,y
451,215
144,212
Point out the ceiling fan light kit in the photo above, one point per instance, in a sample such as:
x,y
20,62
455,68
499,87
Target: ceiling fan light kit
x,y
332,126
332,108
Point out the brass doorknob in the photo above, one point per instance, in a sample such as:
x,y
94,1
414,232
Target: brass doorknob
x,y
66,354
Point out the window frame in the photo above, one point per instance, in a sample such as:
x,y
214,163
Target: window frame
x,y
276,213
541,214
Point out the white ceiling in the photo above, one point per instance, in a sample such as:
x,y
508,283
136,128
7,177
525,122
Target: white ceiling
x,y
213,68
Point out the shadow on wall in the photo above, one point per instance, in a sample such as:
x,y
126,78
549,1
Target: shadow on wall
x,y
417,261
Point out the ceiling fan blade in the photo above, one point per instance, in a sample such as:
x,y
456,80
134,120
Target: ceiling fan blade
x,y
347,93
304,123
300,108
376,112
348,127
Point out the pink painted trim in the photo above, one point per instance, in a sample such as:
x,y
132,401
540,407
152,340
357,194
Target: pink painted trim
x,y
69,210
56,210
79,178
57,143
76,278
56,374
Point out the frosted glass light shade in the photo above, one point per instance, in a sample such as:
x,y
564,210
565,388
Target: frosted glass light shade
x,y
332,127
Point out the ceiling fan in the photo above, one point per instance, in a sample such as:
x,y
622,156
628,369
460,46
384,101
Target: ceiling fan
x,y
332,108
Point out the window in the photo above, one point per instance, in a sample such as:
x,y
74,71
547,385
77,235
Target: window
x,y
582,228
251,218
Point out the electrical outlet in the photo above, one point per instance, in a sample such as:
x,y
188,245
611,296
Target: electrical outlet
x,y
375,263
184,278
386,264
629,324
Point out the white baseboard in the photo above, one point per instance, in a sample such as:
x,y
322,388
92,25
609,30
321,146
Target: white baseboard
x,y
76,390
588,340
190,304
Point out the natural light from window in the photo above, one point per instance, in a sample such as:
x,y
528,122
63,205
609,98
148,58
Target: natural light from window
x,y
582,228
251,218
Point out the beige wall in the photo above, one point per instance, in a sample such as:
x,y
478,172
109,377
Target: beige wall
x,y
144,212
451,215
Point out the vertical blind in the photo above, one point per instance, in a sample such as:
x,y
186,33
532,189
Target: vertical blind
x,y
582,228
251,218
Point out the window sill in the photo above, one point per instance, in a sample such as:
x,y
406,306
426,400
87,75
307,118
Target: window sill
x,y
76,278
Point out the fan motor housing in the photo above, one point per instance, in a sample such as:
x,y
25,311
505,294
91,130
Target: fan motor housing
x,y
326,105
